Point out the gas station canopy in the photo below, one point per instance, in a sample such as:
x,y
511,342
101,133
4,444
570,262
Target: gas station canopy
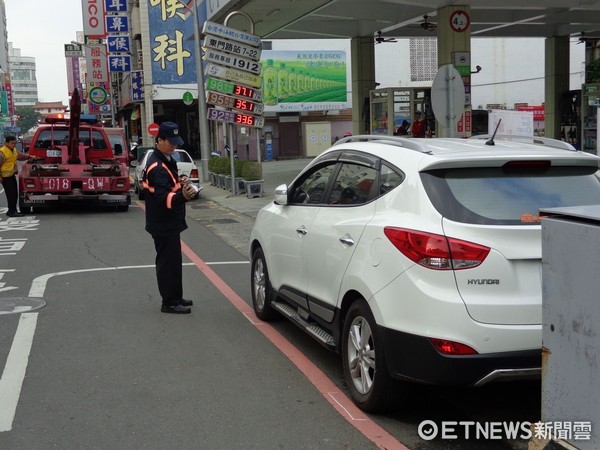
x,y
338,19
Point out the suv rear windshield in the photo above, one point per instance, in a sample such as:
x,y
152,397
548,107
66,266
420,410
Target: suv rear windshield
x,y
495,196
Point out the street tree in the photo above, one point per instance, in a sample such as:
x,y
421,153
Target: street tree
x,y
27,118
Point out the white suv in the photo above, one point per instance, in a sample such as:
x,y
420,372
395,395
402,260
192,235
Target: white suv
x,y
418,259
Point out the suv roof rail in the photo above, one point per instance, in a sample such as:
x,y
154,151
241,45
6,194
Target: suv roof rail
x,y
408,143
549,142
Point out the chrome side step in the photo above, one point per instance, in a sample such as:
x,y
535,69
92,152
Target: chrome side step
x,y
312,329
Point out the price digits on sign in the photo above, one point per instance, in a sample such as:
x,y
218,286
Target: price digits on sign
x,y
229,116
244,119
243,91
245,105
231,88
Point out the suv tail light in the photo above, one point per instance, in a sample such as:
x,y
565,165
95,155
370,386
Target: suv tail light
x,y
435,251
194,173
447,347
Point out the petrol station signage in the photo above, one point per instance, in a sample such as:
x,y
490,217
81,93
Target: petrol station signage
x,y
239,90
247,120
235,48
233,75
237,62
227,101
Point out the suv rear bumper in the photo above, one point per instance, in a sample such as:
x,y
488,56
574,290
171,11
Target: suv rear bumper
x,y
414,358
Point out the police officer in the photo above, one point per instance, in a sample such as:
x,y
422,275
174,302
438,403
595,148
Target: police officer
x,y
8,169
166,196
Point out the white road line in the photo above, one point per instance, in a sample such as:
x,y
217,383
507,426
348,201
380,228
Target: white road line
x,y
38,286
18,357
14,370
226,262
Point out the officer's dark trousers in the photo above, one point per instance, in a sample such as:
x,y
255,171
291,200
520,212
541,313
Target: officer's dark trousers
x,y
10,188
169,268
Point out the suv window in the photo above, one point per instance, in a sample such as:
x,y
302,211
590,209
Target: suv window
x,y
311,190
353,184
495,196
389,179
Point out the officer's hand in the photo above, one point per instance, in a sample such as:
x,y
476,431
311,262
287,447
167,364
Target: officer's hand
x,y
189,193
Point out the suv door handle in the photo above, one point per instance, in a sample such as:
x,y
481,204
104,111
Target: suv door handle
x,y
302,230
347,239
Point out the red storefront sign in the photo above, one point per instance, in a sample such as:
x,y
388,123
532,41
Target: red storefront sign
x,y
537,110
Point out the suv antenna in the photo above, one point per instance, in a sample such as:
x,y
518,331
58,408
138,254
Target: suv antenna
x,y
490,141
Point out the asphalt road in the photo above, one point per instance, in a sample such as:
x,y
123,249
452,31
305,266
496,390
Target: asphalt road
x,y
100,367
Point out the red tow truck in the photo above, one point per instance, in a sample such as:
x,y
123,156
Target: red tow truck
x,y
71,160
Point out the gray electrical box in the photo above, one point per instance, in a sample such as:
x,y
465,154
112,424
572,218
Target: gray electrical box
x,y
571,323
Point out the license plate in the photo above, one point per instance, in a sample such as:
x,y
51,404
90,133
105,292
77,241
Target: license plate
x,y
53,153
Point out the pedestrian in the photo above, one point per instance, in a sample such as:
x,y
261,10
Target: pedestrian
x,y
8,170
418,126
166,196
402,130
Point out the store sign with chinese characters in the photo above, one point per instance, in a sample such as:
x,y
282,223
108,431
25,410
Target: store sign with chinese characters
x,y
171,33
119,63
118,44
97,71
115,6
117,24
137,86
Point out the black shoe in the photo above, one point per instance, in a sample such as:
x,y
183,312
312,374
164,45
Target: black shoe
x,y
175,309
185,302
15,214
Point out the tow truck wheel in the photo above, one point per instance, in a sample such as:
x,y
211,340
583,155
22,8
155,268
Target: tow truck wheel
x,y
24,209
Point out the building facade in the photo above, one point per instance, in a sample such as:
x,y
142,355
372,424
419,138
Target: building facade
x,y
23,77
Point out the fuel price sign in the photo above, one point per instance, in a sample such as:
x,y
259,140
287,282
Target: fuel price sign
x,y
247,120
226,101
239,90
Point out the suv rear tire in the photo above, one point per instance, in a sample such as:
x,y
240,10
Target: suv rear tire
x,y
363,360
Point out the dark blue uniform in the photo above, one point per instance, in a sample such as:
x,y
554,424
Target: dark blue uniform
x,y
165,220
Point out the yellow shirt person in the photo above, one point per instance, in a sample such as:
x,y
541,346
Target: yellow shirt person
x,y
8,168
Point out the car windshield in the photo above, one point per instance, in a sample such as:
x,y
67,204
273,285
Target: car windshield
x,y
55,136
180,156
494,196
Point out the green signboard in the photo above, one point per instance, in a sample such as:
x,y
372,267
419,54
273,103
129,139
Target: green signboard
x,y
309,80
188,98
